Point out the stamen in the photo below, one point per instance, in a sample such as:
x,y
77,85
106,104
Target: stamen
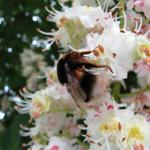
x,y
119,126
123,139
98,2
114,55
99,144
140,25
107,6
104,6
77,3
98,50
92,142
146,34
88,135
136,26
56,11
61,3
51,12
45,33
115,7
51,18
26,144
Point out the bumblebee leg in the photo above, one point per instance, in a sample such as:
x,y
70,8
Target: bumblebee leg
x,y
86,52
105,66
91,64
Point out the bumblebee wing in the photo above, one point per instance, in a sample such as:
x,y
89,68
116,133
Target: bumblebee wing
x,y
74,87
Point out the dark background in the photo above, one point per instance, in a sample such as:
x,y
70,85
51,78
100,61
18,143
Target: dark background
x,y
18,28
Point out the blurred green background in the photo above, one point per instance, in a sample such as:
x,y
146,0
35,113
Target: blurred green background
x,y
19,20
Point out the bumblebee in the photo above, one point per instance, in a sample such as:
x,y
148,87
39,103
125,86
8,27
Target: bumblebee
x,y
72,70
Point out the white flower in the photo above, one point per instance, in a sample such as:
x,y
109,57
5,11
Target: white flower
x,y
46,126
71,128
77,11
75,22
118,48
57,143
40,104
53,98
52,124
36,104
115,128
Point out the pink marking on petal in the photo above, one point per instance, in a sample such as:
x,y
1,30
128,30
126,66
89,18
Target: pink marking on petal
x,y
55,147
110,107
97,115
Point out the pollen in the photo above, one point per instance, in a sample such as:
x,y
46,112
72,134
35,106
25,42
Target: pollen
x,y
136,133
62,22
99,50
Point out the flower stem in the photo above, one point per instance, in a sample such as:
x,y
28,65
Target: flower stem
x,y
145,89
86,146
121,13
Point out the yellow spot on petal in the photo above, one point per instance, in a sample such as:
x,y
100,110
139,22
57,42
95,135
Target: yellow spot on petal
x,y
136,133
145,49
87,8
112,126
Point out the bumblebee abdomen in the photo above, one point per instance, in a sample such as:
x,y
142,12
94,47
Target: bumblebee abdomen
x,y
87,83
